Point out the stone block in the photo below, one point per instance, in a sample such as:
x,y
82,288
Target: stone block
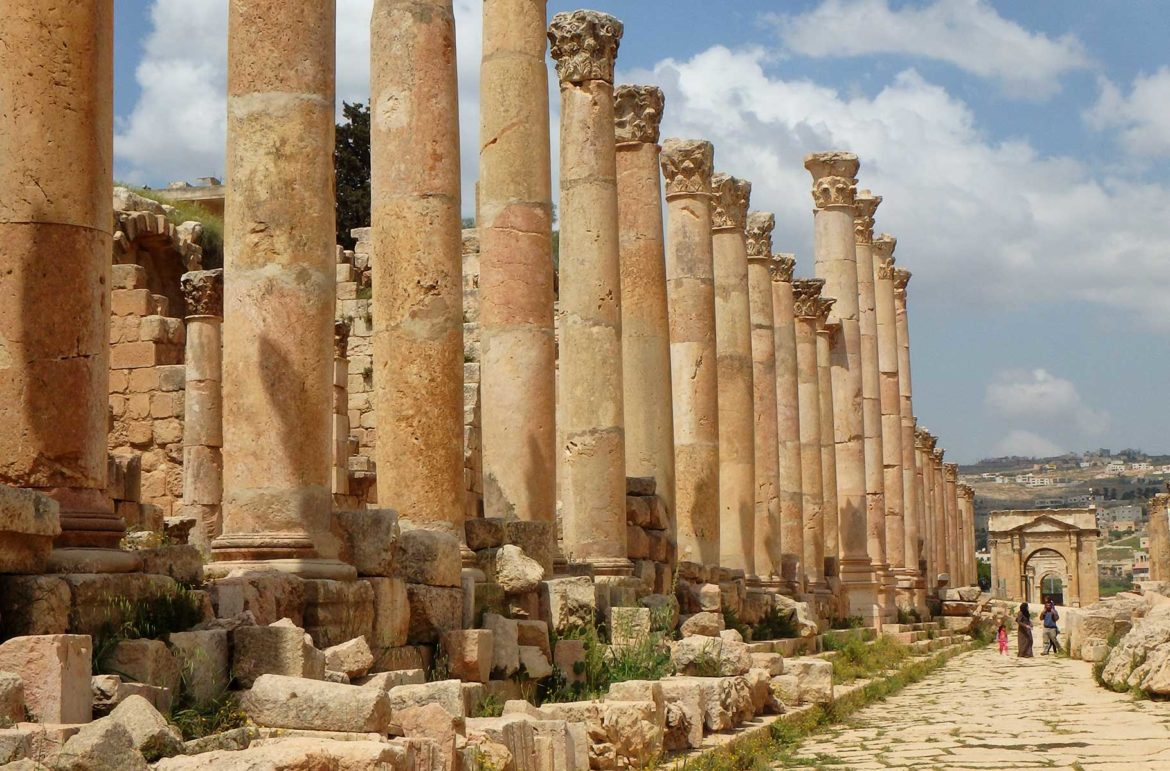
x,y
433,723
448,694
772,663
640,486
533,662
428,557
369,539
270,596
815,678
352,657
29,521
658,545
172,377
144,661
277,650
33,605
102,744
534,632
204,660
277,701
569,656
391,613
489,598
637,544
505,660
127,277
710,656
568,602
469,653
338,611
433,610
388,680
485,533
628,626
537,539
148,729
130,302
659,516
11,698
404,657
516,572
637,511
55,670
180,562
705,624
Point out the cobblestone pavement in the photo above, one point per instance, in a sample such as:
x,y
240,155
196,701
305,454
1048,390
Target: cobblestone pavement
x,y
986,711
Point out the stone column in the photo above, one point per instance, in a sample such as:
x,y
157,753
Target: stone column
x,y
279,258
967,518
829,338
790,484
889,386
1160,537
912,529
593,492
954,526
56,231
733,343
810,311
938,494
649,418
341,331
690,289
769,561
922,445
418,274
834,189
203,405
518,352
871,405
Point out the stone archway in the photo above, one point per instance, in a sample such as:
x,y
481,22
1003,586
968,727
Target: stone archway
x,y
1043,565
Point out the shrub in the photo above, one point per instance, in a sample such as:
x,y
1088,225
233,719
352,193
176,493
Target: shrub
x,y
777,624
221,715
856,659
150,618
849,622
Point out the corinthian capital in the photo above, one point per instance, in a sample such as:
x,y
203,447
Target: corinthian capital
x,y
729,206
938,454
806,297
584,45
901,280
638,113
966,491
782,267
834,178
951,472
924,440
883,252
687,165
203,292
863,217
760,225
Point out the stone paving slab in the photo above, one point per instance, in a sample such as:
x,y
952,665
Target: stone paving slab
x,y
987,711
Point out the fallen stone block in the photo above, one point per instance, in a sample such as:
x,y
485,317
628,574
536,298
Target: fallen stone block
x,y
144,661
773,663
270,596
391,622
29,521
204,659
277,701
55,670
533,662
16,747
433,610
469,653
431,721
403,657
446,693
34,605
505,644
338,611
276,650
151,734
11,698
182,563
534,632
568,603
710,656
369,540
706,624
537,539
516,572
815,677
388,680
100,745
428,557
352,657
305,754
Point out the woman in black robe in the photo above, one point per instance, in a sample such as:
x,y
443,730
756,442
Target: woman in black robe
x,y
1024,632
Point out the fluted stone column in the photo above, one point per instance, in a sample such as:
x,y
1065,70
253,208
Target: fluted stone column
x,y
834,189
416,233
733,344
912,526
889,385
938,493
203,405
810,310
954,529
518,349
871,406
593,492
56,138
341,330
649,417
279,239
922,492
690,290
1160,537
767,500
789,477
829,338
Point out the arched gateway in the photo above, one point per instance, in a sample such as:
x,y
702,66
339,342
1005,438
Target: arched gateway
x,y
1038,553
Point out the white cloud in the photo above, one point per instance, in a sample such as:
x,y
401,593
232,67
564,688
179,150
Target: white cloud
x,y
1025,444
1141,118
968,34
1038,398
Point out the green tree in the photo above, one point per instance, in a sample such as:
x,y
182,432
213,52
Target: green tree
x,y
351,158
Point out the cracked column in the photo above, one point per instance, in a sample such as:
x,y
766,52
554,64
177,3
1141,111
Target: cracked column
x,y
954,529
889,389
911,499
56,127
518,353
279,259
649,421
593,485
790,484
767,502
203,405
418,274
834,190
809,312
733,344
871,406
690,289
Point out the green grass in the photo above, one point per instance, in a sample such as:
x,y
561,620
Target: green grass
x,y
221,715
856,659
151,618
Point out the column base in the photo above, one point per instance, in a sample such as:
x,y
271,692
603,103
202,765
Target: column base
x,y
87,519
311,567
610,566
860,588
88,560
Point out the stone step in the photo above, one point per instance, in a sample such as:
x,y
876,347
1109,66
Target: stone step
x,y
905,637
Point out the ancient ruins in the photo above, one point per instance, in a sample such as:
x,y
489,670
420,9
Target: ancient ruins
x,y
487,515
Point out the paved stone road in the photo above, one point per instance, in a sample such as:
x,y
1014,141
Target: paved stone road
x,y
986,711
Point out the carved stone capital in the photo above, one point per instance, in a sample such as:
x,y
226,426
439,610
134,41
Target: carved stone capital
x,y
924,440
782,266
341,329
967,491
824,305
884,245
901,279
760,225
687,166
806,296
637,113
729,206
584,45
834,178
203,292
938,454
863,216
951,472
885,269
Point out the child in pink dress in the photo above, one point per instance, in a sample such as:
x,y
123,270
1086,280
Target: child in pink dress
x,y
1001,638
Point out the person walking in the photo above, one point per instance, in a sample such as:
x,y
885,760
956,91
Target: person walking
x,y
1024,632
1001,638
1049,617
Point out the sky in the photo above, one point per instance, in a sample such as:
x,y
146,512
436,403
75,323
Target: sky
x,y
1021,149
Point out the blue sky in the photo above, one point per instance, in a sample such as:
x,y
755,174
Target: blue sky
x,y
1021,149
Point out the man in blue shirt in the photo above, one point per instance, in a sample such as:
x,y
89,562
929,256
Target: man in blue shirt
x,y
1049,616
